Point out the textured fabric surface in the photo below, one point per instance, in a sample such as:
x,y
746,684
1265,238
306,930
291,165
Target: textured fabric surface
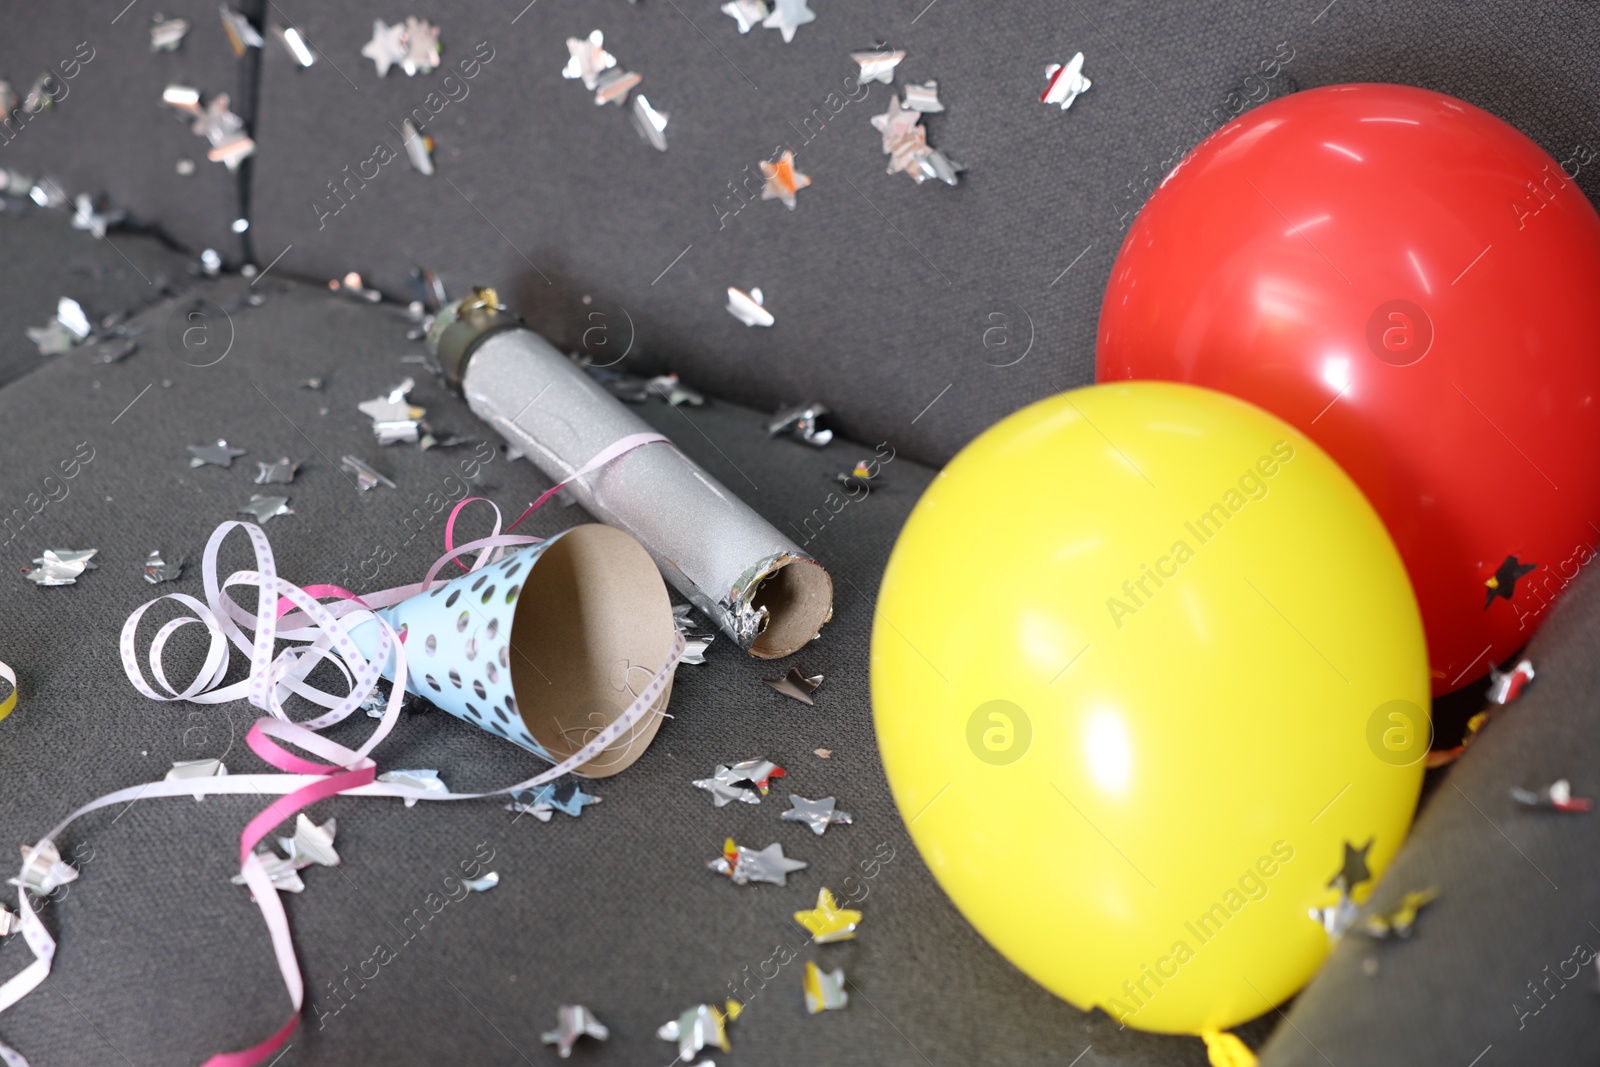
x,y
41,264
163,961
885,292
109,134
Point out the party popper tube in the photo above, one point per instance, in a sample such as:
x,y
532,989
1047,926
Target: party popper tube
x,y
762,589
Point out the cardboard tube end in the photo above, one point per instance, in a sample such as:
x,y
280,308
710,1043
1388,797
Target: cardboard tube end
x,y
798,596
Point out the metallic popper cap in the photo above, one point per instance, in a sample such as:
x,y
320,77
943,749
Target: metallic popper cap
x,y
461,324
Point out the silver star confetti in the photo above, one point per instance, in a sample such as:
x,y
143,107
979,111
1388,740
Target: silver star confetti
x,y
387,47
924,98
167,34
1506,686
484,884
877,65
422,48
698,1028
782,180
43,872
266,507
905,142
241,35
279,471
219,454
650,123
817,814
427,781
747,13
748,307
802,423
393,416
158,570
67,329
1065,84
230,145
62,566
796,685
366,477
746,781
540,811
788,16
588,59
86,218
746,865
311,843
184,770
284,874
824,989
1336,918
572,1022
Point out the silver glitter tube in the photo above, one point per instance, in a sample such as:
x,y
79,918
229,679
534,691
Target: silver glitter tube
x,y
760,588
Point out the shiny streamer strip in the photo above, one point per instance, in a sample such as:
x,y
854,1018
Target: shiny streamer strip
x,y
323,632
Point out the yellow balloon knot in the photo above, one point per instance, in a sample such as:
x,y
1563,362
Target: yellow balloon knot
x,y
1226,1050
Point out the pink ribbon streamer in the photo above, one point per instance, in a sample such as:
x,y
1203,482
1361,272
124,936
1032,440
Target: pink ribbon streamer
x,y
290,613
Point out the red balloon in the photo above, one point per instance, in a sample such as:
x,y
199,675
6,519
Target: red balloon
x,y
1416,286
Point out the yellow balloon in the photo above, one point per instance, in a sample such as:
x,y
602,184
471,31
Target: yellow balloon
x,y
1144,661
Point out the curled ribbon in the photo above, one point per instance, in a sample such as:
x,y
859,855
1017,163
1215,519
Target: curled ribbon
x,y
315,633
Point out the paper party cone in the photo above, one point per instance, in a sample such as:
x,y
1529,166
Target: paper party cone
x,y
544,648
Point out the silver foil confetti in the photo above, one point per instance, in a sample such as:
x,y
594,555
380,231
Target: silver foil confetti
x,y
824,989
279,471
1335,919
1402,921
782,180
905,142
484,884
210,262
1507,686
62,566
157,570
427,781
10,921
85,217
674,392
542,812
817,814
747,13
387,47
614,85
186,770
43,872
219,454
564,796
708,544
746,865
572,1022
285,876
923,98
217,123
748,307
746,781
788,16
422,47
294,42
1065,83
69,327
796,685
167,34
695,640
47,194
650,123
1556,796
266,507
366,477
699,1027
182,97
185,167
802,423
352,286
877,65
419,147
311,843
241,34
588,59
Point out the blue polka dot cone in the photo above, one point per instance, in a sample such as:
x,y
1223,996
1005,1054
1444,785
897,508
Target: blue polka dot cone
x,y
460,654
